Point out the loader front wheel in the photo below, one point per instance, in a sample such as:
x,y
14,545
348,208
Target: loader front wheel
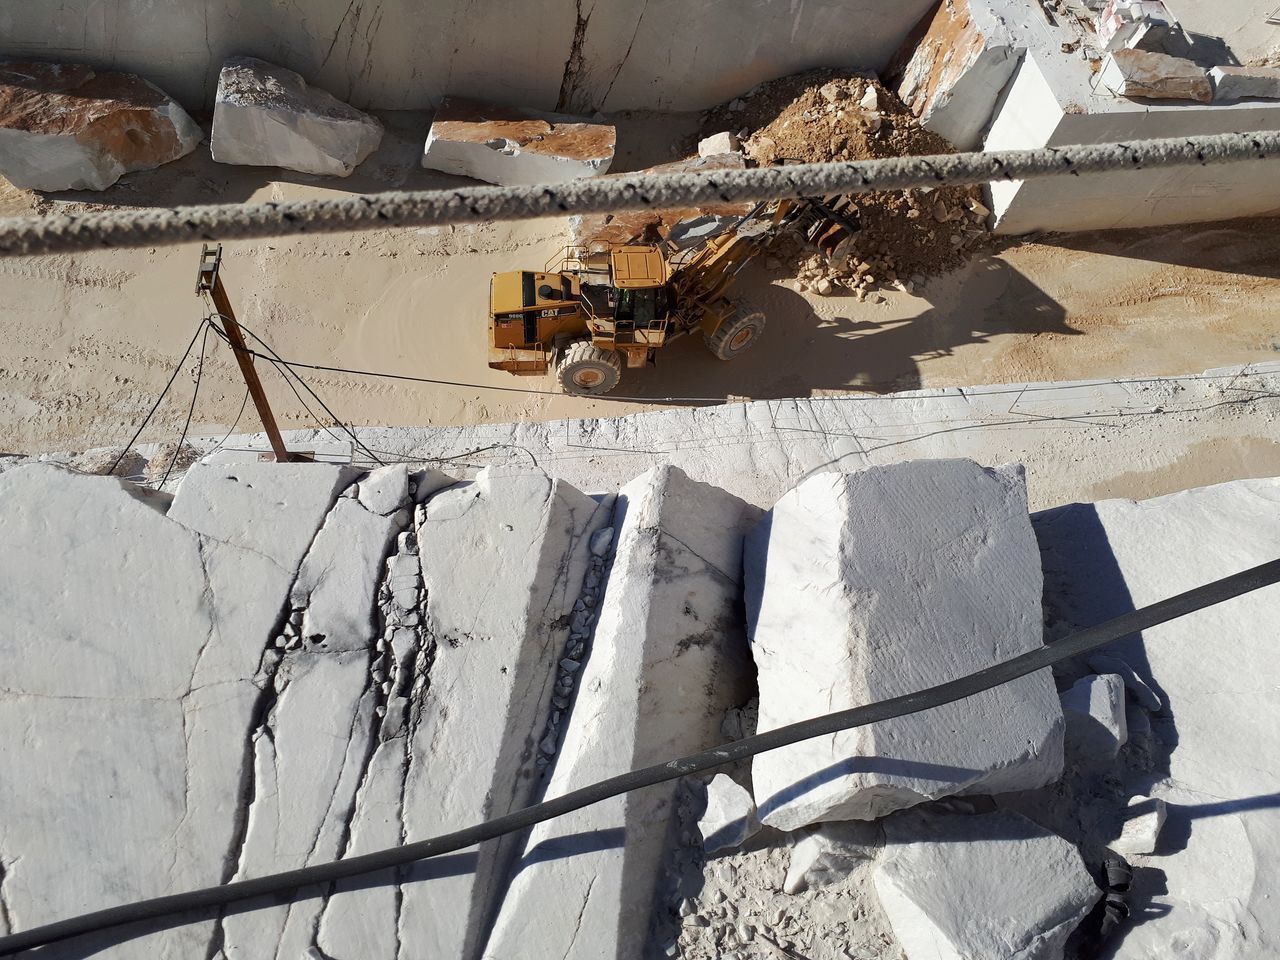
x,y
587,370
737,334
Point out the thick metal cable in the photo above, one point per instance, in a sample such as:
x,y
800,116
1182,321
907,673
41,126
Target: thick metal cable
x,y
137,228
289,882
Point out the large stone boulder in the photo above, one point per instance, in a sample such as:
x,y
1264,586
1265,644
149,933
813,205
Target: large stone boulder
x,y
1154,76
69,127
503,561
1245,83
513,145
1211,892
265,115
875,584
995,885
667,659
952,76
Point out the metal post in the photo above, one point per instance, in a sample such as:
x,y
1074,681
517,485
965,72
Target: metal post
x,y
210,279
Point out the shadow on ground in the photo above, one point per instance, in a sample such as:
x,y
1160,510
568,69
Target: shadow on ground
x,y
863,346
1248,247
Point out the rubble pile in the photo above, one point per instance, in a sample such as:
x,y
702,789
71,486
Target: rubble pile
x,y
827,115
377,658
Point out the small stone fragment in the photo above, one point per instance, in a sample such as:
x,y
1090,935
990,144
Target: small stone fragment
x,y
1094,713
1144,816
730,817
1106,663
601,540
718,143
833,91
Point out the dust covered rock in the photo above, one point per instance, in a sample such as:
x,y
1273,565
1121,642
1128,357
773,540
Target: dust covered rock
x,y
993,885
265,115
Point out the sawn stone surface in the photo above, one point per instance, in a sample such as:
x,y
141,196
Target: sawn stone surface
x,y
667,659
874,584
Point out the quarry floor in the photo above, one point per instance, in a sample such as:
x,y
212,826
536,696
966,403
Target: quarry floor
x,y
90,340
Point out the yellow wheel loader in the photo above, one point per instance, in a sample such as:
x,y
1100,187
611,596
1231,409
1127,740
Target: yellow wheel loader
x,y
599,307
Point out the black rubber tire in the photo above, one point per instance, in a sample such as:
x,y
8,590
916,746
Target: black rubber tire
x,y
587,370
736,335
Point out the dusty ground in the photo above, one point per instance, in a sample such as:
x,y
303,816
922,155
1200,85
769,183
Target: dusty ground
x,y
89,340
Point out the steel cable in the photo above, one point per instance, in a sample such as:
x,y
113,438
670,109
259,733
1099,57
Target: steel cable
x,y
135,228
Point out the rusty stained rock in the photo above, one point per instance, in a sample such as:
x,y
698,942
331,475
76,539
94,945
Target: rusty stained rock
x,y
513,145
69,127
952,78
1155,76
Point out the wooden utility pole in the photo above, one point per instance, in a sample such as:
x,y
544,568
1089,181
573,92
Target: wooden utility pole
x,y
210,280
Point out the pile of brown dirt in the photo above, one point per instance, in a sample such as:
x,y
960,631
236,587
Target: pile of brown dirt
x,y
829,115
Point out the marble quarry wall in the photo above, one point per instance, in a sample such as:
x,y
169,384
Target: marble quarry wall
x,y
574,55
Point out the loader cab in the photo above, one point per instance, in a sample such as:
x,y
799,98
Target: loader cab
x,y
628,286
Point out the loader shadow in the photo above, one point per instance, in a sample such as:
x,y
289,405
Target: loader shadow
x,y
862,346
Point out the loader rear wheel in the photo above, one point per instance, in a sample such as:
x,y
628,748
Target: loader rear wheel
x,y
588,370
737,334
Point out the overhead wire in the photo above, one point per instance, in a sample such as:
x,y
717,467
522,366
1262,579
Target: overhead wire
x,y
907,396
293,884
191,409
155,406
276,359
235,423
